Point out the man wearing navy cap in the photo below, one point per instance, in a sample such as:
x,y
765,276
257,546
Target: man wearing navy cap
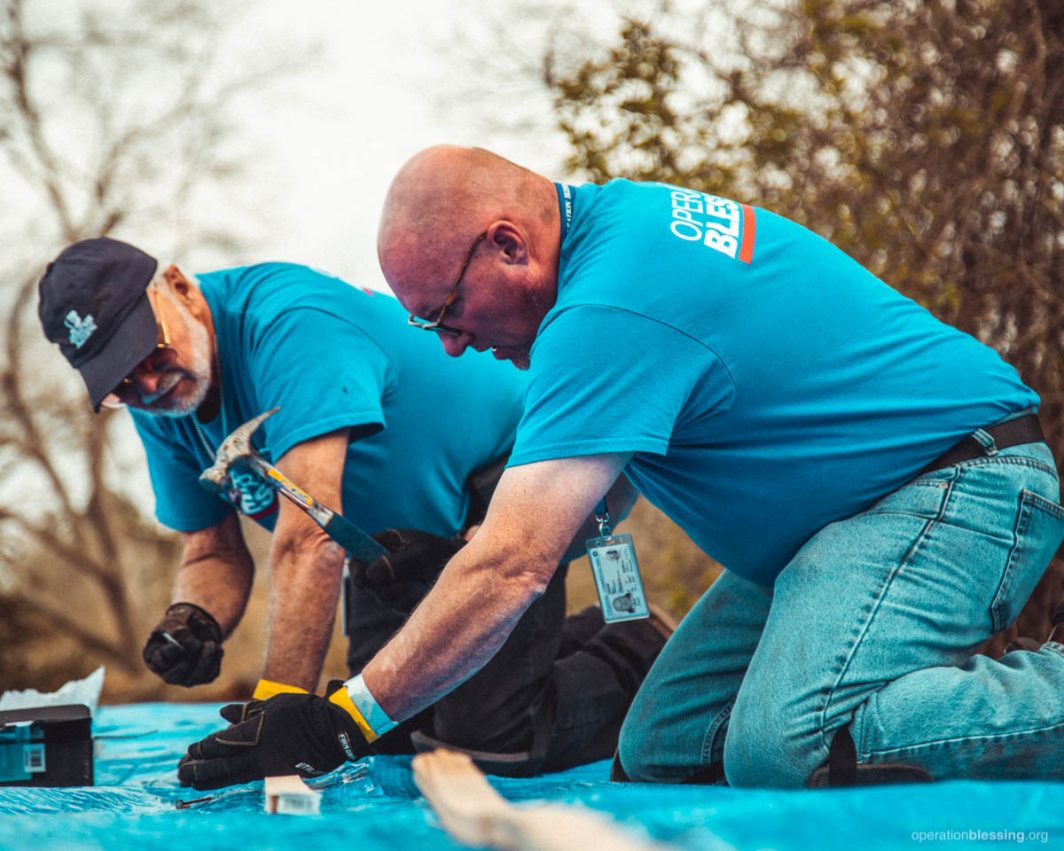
x,y
373,422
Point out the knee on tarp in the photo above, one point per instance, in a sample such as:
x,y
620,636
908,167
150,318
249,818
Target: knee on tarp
x,y
711,775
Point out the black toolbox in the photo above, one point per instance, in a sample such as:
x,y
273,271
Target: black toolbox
x,y
46,746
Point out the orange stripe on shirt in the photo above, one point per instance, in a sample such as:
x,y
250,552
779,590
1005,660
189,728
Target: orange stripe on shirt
x,y
746,248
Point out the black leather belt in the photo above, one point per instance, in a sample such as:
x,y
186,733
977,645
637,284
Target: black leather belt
x,y
1025,429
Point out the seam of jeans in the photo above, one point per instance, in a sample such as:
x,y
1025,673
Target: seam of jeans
x,y
1019,528
864,716
881,594
1029,502
1036,500
865,752
927,746
711,732
1009,460
858,639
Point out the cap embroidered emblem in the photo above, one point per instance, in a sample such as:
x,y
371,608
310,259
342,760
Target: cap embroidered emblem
x,y
80,329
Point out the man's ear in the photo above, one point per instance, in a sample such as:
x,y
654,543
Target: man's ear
x,y
507,238
177,280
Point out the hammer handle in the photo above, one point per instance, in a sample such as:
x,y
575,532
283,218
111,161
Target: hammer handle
x,y
357,543
349,536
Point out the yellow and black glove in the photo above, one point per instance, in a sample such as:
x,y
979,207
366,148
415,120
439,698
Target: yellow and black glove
x,y
266,689
289,733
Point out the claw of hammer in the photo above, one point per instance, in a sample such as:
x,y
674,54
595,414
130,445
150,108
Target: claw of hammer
x,y
236,447
238,450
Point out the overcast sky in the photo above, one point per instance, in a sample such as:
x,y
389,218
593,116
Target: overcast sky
x,y
382,81
386,80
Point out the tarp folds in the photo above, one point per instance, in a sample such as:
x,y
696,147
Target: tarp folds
x,y
375,805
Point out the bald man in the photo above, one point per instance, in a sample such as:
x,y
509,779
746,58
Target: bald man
x,y
874,481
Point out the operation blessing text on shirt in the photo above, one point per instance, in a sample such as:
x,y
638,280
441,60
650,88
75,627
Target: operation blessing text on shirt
x,y
718,223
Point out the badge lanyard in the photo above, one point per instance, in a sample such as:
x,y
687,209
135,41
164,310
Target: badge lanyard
x,y
613,562
616,572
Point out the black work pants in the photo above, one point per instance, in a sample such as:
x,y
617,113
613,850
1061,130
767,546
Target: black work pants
x,y
554,695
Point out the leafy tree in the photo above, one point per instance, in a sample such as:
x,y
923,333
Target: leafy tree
x,y
926,139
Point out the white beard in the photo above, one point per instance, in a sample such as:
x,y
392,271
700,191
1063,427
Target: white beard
x,y
198,369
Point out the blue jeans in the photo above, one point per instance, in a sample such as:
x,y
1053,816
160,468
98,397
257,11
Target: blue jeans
x,y
873,624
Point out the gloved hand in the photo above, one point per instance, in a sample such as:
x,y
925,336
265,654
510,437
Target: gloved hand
x,y
287,734
192,654
401,578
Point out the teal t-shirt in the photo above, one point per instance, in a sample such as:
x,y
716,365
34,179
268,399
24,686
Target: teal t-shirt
x,y
766,382
335,356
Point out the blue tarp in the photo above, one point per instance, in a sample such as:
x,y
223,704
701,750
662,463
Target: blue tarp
x,y
375,805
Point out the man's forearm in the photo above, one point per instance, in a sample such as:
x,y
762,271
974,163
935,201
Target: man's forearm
x,y
458,627
216,575
306,566
305,590
535,511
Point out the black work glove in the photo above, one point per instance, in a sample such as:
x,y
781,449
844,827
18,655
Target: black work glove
x,y
194,656
414,561
287,734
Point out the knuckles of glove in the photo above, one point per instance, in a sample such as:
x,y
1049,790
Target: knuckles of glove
x,y
413,556
287,734
194,655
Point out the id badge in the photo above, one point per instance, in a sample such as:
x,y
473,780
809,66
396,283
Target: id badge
x,y
617,579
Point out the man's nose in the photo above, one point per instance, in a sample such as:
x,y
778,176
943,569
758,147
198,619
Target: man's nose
x,y
146,381
456,345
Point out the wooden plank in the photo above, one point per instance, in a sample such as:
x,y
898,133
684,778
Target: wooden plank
x,y
290,796
473,813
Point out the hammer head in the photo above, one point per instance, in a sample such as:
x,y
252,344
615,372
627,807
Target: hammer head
x,y
235,449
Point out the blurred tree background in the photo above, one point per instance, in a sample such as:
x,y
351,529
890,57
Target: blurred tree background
x,y
88,148
926,139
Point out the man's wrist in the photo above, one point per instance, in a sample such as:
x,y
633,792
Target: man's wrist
x,y
185,609
355,698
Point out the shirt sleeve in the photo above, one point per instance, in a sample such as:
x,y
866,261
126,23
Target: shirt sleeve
x,y
323,372
604,379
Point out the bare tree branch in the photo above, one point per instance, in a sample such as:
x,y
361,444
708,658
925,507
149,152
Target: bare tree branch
x,y
144,151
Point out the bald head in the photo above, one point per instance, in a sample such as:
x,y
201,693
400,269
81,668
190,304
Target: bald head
x,y
443,198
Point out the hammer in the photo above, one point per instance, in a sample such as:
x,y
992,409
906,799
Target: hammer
x,y
237,451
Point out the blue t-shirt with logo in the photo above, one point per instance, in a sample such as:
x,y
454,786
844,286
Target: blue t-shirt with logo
x,y
334,356
766,382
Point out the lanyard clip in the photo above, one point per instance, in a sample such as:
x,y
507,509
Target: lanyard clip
x,y
602,517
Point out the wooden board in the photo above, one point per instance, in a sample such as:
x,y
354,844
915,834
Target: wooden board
x,y
290,796
473,813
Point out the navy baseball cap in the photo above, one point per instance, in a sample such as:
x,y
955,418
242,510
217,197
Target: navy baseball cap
x,y
94,306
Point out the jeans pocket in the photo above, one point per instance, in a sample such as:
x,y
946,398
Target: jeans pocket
x,y
1037,535
923,497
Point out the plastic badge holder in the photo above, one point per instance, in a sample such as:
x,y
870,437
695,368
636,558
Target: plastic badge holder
x,y
617,578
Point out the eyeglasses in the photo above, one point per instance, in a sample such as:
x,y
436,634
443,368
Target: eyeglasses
x,y
437,324
126,388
